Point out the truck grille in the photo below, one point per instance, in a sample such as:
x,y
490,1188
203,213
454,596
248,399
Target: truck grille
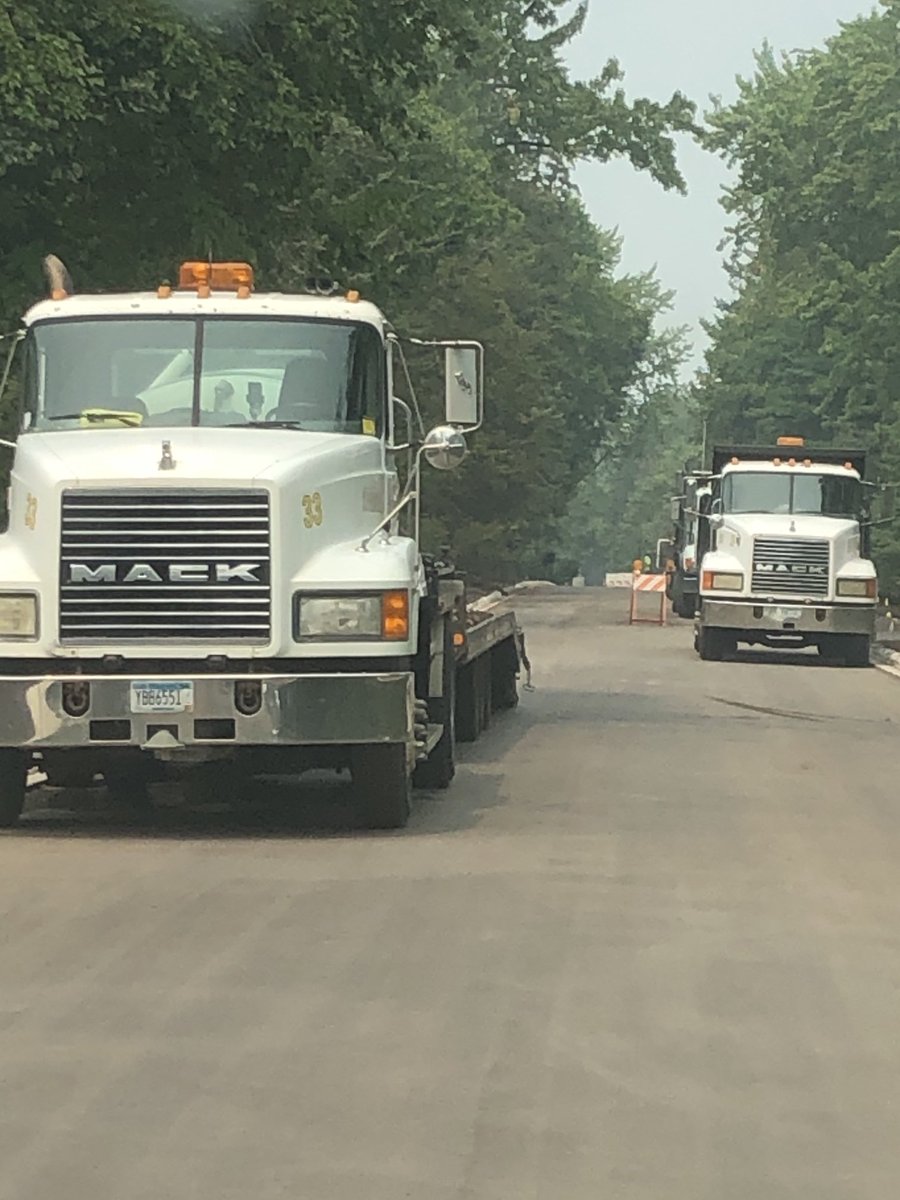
x,y
791,566
164,565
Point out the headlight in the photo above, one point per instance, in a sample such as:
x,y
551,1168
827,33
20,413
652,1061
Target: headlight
x,y
378,615
865,589
722,581
18,615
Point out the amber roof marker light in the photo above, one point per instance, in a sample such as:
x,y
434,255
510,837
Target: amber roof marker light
x,y
205,277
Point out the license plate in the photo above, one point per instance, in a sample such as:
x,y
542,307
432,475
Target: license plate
x,y
787,614
161,696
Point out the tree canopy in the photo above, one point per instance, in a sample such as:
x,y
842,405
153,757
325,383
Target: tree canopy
x,y
808,343
420,151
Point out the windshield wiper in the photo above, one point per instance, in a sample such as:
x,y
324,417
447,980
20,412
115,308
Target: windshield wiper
x,y
263,425
92,415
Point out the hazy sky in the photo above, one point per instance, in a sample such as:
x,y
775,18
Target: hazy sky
x,y
697,47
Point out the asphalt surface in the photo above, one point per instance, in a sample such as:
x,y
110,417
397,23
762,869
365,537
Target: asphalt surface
x,y
646,947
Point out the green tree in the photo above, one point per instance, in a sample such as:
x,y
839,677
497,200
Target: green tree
x,y
808,344
620,511
420,152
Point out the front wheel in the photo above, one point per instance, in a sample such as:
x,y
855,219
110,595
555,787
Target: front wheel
x,y
713,644
13,773
382,783
857,650
505,675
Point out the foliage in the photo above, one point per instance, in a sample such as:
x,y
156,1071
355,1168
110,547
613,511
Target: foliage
x,y
420,151
620,511
808,343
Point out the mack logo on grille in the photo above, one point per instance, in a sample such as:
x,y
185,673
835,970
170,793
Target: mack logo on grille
x,y
790,568
145,572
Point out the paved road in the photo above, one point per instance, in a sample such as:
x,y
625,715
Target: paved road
x,y
646,948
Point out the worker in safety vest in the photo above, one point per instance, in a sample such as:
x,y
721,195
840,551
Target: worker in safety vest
x,y
637,566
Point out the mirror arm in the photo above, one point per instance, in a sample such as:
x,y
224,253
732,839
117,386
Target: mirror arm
x,y
409,383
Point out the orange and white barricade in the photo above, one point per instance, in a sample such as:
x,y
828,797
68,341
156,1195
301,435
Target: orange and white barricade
x,y
655,585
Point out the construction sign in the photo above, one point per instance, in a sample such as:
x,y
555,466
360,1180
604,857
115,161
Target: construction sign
x,y
642,584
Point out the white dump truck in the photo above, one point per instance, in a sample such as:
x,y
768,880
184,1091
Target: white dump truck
x,y
785,552
212,564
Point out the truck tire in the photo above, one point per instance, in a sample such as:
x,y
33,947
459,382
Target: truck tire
x,y
437,770
13,773
713,644
485,691
505,673
857,649
382,783
468,711
831,648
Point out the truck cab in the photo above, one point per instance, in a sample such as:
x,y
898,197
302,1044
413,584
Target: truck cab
x,y
212,559
785,553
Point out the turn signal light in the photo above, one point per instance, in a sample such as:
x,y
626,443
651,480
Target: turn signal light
x,y
221,276
395,616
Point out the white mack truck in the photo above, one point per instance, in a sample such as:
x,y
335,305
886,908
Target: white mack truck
x,y
784,552
212,563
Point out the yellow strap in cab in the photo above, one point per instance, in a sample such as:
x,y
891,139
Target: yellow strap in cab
x,y
91,418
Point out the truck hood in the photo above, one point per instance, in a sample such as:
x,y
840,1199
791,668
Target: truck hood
x,y
201,455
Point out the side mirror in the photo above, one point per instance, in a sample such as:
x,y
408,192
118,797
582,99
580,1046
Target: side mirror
x,y
675,509
463,375
444,447
665,551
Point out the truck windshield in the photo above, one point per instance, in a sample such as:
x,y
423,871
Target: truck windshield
x,y
162,372
809,492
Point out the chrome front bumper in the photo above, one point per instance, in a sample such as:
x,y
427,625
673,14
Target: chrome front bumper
x,y
299,710
788,618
